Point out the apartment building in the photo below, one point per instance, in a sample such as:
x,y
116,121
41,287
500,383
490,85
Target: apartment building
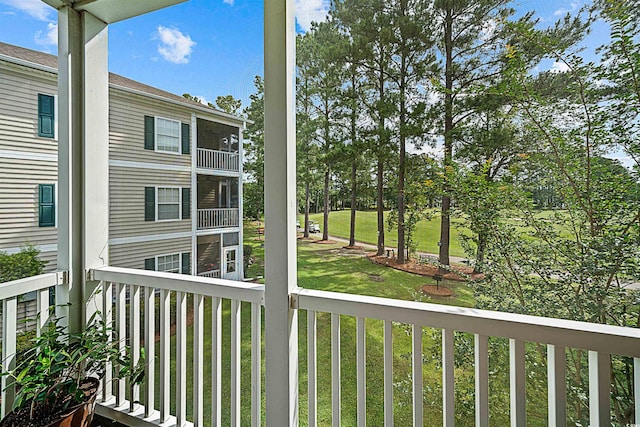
x,y
175,172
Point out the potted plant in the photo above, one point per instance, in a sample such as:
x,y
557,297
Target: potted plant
x,y
58,377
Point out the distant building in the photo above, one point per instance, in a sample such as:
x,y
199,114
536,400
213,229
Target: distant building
x,y
175,172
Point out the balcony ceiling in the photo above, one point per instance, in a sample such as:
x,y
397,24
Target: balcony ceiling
x,y
110,11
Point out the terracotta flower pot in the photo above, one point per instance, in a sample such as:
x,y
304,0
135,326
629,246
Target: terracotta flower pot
x,y
77,416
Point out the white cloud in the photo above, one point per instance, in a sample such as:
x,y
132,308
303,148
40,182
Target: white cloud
x,y
174,46
309,11
50,37
229,2
34,8
559,67
563,11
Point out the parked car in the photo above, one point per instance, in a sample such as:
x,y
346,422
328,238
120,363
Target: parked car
x,y
298,224
314,227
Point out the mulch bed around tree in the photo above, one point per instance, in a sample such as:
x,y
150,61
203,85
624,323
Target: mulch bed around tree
x,y
428,269
439,291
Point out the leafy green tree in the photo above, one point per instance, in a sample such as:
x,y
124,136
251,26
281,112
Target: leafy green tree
x,y
412,60
306,126
253,186
572,263
228,104
371,20
25,263
325,79
469,47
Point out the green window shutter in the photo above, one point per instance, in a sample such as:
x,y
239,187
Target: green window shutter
x,y
186,138
46,116
150,264
46,205
186,263
149,133
149,203
186,203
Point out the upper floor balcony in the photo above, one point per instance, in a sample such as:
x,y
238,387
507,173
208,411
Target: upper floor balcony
x,y
217,160
218,149
218,202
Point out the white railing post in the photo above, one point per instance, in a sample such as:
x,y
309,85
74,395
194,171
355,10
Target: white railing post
x,y
557,385
481,350
636,387
281,320
599,389
9,327
448,380
517,383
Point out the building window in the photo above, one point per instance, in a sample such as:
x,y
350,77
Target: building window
x,y
46,205
46,116
167,135
173,263
169,263
168,203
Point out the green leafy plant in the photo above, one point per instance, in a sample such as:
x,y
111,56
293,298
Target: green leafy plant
x,y
25,263
52,374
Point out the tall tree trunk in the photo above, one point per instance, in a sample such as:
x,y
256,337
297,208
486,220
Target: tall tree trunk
x,y
307,201
445,225
380,206
401,166
325,222
352,225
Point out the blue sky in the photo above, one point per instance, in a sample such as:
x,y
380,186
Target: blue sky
x,y
202,47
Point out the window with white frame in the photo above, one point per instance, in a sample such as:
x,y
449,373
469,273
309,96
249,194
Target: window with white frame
x,y
168,203
167,135
168,263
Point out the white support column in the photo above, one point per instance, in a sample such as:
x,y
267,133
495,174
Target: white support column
x,y
194,194
83,157
240,209
281,321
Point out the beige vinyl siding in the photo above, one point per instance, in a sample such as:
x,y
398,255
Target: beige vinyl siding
x,y
132,255
126,201
19,181
51,259
19,109
126,128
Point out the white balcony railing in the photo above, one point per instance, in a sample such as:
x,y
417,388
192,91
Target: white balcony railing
x,y
177,289
218,160
214,274
190,297
601,341
10,293
218,218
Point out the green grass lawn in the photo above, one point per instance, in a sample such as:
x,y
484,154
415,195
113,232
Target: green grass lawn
x,y
427,232
328,267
